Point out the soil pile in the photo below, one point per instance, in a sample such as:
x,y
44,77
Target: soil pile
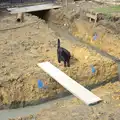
x,y
20,51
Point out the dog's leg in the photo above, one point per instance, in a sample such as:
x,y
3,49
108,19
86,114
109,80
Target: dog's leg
x,y
68,63
58,56
64,63
59,60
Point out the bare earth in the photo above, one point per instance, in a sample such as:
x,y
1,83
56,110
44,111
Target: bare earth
x,y
32,42
22,48
73,109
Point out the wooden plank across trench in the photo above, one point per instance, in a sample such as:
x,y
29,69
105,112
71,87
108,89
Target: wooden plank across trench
x,y
72,86
33,8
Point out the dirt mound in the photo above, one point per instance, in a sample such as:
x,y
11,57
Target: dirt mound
x,y
72,108
20,51
106,39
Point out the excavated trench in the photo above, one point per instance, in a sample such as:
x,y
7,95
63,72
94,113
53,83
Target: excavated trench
x,y
49,19
83,56
42,14
68,31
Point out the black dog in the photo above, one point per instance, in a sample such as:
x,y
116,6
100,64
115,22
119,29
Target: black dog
x,y
63,55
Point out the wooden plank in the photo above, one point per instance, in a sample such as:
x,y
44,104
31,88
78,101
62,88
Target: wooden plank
x,y
76,89
91,16
32,8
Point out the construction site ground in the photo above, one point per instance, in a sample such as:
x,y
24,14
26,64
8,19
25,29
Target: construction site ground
x,y
71,108
23,45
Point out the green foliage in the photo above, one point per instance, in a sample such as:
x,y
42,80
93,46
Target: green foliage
x,y
108,10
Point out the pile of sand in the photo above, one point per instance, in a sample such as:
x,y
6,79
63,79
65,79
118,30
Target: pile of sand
x,y
20,51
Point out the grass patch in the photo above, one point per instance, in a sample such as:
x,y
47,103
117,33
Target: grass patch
x,y
108,10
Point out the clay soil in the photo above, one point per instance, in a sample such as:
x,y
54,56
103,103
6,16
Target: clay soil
x,y
32,42
106,40
73,109
24,47
108,29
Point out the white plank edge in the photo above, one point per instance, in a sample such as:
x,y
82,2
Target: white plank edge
x,y
76,89
33,8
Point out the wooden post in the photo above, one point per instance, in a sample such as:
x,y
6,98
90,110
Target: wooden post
x,y
20,17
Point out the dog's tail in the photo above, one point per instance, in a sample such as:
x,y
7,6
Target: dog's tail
x,y
58,43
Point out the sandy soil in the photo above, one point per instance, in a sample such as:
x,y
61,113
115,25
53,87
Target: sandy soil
x,y
74,109
24,47
32,42
109,109
106,39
